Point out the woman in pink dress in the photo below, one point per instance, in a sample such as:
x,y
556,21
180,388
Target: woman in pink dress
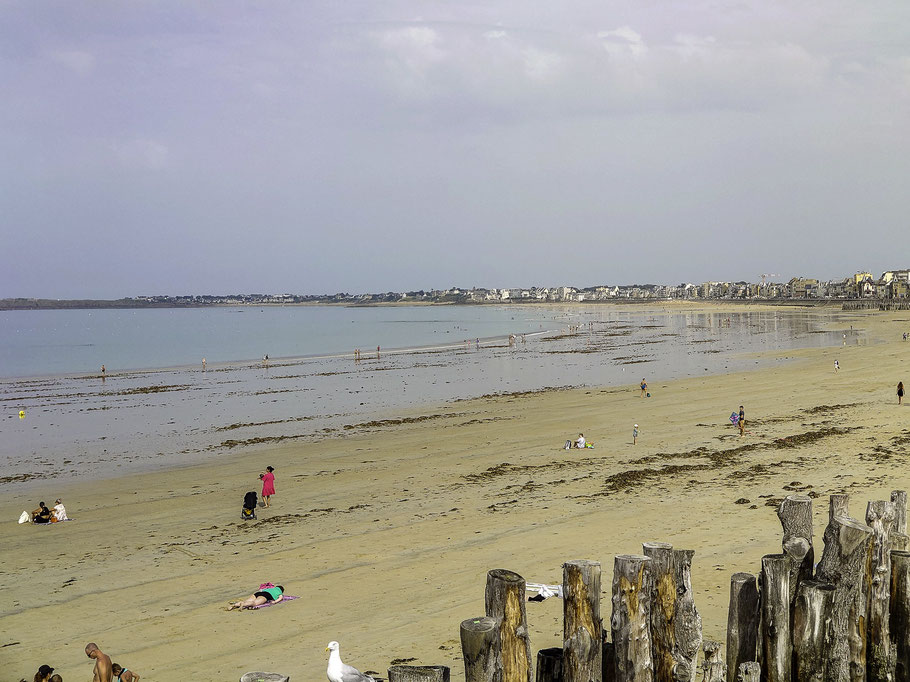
x,y
268,485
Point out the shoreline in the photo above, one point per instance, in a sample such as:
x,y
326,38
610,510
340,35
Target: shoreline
x,y
433,504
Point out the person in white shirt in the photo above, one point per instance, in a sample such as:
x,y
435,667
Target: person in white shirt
x,y
580,441
60,511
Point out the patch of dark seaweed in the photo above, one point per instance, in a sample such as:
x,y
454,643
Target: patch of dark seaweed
x,y
515,394
150,389
378,423
581,350
810,437
635,477
242,425
828,408
635,362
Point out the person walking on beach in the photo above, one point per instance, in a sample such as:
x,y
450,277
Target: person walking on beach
x,y
634,434
742,421
203,364
102,671
836,366
900,392
644,387
268,485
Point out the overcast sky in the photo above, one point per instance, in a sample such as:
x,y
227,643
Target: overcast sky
x,y
170,146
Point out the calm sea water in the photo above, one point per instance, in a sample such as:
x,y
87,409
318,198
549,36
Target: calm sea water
x,y
171,412
48,342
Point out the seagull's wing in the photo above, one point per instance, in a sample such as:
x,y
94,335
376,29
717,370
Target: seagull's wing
x,y
351,674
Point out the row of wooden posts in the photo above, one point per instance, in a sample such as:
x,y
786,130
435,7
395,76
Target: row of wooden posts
x,y
846,619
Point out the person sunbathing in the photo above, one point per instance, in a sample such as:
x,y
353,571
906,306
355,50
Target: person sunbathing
x,y
267,593
42,514
60,511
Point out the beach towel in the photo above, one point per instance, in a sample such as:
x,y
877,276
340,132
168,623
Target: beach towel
x,y
544,591
286,597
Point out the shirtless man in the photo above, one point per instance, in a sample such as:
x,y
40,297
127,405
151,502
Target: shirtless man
x,y
102,671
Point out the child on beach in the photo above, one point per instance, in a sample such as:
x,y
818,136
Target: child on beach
x,y
644,388
900,392
122,674
268,485
634,434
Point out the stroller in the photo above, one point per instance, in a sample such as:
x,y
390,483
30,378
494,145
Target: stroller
x,y
250,500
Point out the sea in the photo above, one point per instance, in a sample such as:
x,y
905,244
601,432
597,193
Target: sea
x,y
156,406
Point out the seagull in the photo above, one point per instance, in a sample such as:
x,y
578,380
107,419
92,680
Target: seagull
x,y
342,672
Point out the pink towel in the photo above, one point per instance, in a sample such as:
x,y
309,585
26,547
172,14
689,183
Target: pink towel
x,y
286,597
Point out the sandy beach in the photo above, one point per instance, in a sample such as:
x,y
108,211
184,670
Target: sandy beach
x,y
386,532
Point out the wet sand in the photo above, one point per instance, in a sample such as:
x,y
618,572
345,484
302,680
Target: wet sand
x,y
386,531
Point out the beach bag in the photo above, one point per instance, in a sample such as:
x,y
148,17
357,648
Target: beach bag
x,y
24,517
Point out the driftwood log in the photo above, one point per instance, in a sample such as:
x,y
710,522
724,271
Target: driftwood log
x,y
777,647
419,673
900,613
549,665
714,668
582,624
879,664
505,601
899,500
811,630
795,514
843,562
480,649
748,672
631,619
675,622
742,623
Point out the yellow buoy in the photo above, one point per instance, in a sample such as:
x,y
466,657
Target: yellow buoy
x,y
21,414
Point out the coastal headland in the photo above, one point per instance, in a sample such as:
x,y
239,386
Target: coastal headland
x,y
386,531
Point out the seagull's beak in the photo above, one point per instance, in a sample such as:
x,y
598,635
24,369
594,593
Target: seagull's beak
x,y
326,648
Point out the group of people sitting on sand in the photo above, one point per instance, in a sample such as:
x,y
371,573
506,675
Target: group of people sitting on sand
x,y
579,443
45,515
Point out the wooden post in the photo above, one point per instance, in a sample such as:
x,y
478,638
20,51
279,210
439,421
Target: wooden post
x,y
879,666
900,613
899,500
795,514
811,636
777,647
264,677
582,624
715,669
505,601
675,622
843,562
742,623
549,665
631,619
748,672
899,541
419,673
838,504
480,649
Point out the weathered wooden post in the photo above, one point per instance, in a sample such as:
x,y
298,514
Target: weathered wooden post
x,y
748,672
838,505
742,623
480,649
899,500
419,673
879,664
899,541
714,667
675,622
777,647
842,565
811,636
795,514
900,613
505,601
264,677
582,624
630,623
549,665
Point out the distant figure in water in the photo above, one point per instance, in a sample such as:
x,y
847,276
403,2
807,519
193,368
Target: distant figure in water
x,y
203,364
377,352
103,370
644,387
900,392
